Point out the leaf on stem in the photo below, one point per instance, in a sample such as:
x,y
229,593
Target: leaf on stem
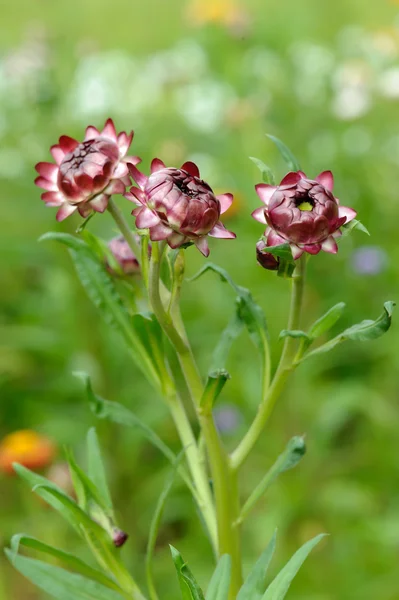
x,y
286,153
220,583
267,173
364,331
59,583
327,321
255,584
223,347
96,469
279,587
214,385
155,523
189,587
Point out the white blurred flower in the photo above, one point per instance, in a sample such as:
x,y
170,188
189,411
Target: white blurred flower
x,y
351,82
388,83
203,104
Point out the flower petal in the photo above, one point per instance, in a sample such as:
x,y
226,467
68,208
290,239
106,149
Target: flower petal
x,y
115,187
65,211
157,164
47,170
293,177
330,245
259,215
109,130
160,232
146,218
220,231
132,160
57,153
296,251
274,239
326,178
91,133
191,168
124,142
120,171
135,195
99,203
349,213
265,192
138,176
68,144
312,248
53,198
176,240
202,246
46,184
226,201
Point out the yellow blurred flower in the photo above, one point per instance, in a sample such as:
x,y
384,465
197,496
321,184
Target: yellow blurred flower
x,y
235,208
224,12
27,448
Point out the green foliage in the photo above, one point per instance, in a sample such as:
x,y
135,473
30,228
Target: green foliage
x,y
290,160
267,173
189,587
219,585
255,584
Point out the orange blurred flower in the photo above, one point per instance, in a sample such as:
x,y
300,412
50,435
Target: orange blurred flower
x,y
224,12
235,207
26,447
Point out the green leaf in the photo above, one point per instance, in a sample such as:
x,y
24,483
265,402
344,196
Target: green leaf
x,y
279,587
255,584
293,333
68,559
282,251
267,173
101,290
229,334
188,585
61,584
96,469
115,412
248,311
101,249
220,583
214,385
346,229
327,321
292,454
34,480
364,331
286,268
154,527
286,153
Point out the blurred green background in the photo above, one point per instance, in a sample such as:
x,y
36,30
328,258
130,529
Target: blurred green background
x,y
205,80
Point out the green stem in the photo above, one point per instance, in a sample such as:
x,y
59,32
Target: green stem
x,y
283,370
227,500
124,228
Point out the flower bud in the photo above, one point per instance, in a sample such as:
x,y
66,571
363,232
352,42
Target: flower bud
x,y
86,174
124,256
265,259
119,537
177,206
302,212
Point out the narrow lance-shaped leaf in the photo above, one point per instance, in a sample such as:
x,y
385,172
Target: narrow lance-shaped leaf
x,y
96,469
61,584
68,559
255,584
291,456
188,585
364,331
154,527
286,153
279,587
327,321
267,173
115,412
220,583
229,334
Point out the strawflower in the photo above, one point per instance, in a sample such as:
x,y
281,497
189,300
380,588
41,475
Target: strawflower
x,y
86,173
303,212
177,206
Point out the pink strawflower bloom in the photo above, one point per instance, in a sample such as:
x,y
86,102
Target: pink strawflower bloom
x,y
303,212
177,206
86,174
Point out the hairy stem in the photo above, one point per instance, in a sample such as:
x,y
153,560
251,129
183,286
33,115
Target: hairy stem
x,y
282,373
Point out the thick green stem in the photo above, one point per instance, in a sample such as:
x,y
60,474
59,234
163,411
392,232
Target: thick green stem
x,y
283,370
227,501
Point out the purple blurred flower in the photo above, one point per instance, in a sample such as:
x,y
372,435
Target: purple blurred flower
x,y
227,418
369,260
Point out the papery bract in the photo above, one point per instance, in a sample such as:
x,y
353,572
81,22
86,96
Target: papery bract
x,y
302,212
86,174
177,206
124,255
